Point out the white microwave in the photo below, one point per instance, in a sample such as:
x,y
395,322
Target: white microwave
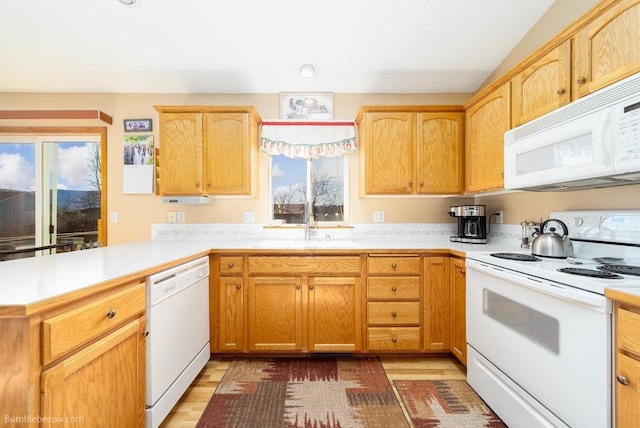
x,y
592,142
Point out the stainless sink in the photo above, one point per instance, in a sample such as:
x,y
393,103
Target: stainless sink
x,y
302,243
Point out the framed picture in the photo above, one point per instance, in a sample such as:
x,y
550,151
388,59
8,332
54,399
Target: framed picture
x,y
306,106
137,125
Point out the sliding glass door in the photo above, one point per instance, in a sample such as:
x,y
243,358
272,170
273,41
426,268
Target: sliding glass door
x,y
50,193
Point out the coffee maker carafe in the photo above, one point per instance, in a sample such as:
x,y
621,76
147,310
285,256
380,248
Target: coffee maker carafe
x,y
472,224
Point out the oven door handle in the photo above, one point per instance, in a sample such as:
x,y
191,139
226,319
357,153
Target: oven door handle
x,y
558,290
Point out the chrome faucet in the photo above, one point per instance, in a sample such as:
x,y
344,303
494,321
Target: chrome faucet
x,y
309,230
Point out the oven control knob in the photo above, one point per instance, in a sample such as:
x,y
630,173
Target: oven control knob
x,y
578,221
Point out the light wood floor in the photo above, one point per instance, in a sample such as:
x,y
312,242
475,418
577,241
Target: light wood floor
x,y
187,411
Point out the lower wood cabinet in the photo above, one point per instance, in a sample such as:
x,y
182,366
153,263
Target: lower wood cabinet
x,y
627,365
100,385
457,309
231,325
436,304
315,314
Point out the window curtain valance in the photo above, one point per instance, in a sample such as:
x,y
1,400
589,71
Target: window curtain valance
x,y
308,139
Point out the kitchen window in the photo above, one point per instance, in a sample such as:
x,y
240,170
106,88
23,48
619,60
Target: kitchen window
x,y
51,191
320,183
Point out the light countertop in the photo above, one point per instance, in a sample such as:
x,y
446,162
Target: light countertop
x,y
26,284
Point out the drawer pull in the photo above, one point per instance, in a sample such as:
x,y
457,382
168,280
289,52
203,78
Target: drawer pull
x,y
394,288
111,314
393,265
146,333
394,340
393,314
230,265
622,379
238,286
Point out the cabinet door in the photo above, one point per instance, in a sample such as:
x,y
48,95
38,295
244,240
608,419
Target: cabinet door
x,y
227,146
543,86
103,383
334,322
436,304
388,143
486,122
179,165
231,324
439,143
275,311
457,308
608,48
627,396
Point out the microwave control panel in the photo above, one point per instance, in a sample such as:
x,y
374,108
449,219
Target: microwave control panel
x,y
628,130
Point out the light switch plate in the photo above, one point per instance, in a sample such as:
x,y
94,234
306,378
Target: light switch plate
x,y
171,217
180,216
114,216
378,217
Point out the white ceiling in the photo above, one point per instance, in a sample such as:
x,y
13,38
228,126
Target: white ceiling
x,y
257,46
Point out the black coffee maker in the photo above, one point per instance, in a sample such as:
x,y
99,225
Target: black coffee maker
x,y
472,224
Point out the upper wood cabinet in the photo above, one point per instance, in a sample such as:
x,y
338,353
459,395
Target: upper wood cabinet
x,y
607,48
543,86
207,150
411,150
486,122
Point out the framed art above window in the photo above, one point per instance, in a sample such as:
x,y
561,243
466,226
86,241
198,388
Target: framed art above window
x,y
306,106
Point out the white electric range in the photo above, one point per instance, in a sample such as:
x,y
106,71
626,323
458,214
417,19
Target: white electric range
x,y
539,336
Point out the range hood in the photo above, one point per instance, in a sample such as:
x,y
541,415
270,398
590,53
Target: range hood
x,y
187,200
592,142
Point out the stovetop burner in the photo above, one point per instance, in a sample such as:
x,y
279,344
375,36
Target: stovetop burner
x,y
516,256
622,269
590,273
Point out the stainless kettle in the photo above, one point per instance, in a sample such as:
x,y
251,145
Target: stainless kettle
x,y
551,244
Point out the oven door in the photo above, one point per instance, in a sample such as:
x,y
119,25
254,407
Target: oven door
x,y
552,342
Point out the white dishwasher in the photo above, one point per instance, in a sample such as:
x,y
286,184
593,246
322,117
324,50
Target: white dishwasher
x,y
178,339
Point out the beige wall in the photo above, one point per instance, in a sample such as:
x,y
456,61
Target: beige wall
x,y
137,212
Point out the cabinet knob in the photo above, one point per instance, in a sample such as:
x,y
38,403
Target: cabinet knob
x,y
146,333
197,184
311,287
298,287
393,265
208,184
393,314
394,340
462,271
394,288
238,286
411,184
230,265
561,91
111,313
622,379
581,80
421,184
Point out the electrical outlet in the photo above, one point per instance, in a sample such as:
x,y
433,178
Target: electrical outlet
x,y
247,217
171,218
114,216
378,217
500,217
180,216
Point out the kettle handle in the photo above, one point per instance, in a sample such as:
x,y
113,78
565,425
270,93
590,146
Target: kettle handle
x,y
565,230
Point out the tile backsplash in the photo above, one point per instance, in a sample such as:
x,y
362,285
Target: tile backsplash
x,y
498,233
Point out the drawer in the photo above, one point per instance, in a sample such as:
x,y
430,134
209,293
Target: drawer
x,y
393,313
64,332
627,328
230,265
393,338
393,288
304,265
396,265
